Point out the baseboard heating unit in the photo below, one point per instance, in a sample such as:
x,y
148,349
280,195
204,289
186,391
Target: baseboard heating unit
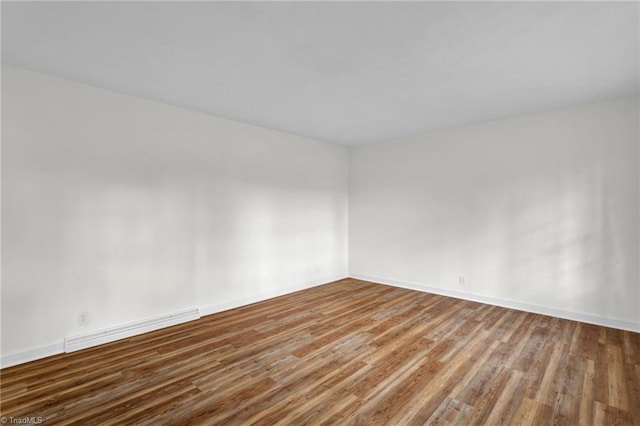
x,y
99,337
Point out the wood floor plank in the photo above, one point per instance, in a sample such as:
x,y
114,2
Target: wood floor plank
x,y
346,353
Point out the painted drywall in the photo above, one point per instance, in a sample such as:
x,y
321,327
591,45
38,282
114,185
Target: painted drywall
x,y
538,211
125,209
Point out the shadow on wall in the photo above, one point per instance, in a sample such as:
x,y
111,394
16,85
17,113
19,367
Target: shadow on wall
x,y
541,210
125,251
548,240
148,250
254,237
131,250
566,241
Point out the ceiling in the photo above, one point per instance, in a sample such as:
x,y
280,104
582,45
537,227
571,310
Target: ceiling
x,y
344,72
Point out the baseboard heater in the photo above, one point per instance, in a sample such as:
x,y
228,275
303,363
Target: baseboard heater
x,y
106,335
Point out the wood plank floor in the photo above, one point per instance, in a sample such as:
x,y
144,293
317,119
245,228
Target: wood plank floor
x,y
349,352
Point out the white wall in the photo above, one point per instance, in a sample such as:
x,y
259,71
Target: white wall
x,y
538,212
125,209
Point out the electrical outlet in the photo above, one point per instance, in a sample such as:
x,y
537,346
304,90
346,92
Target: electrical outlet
x,y
83,318
462,280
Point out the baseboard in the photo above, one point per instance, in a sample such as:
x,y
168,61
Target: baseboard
x,y
98,337
29,355
111,334
507,303
243,301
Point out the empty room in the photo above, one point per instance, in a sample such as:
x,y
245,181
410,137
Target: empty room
x,y
322,213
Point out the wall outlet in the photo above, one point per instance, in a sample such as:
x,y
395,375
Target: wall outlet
x,y
83,318
462,280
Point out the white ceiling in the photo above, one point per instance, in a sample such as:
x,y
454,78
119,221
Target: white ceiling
x,y
348,73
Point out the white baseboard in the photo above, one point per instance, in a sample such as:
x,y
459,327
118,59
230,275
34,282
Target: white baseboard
x,y
99,337
111,334
242,301
31,355
507,303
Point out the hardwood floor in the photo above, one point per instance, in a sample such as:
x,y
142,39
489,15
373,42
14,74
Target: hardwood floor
x,y
349,352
